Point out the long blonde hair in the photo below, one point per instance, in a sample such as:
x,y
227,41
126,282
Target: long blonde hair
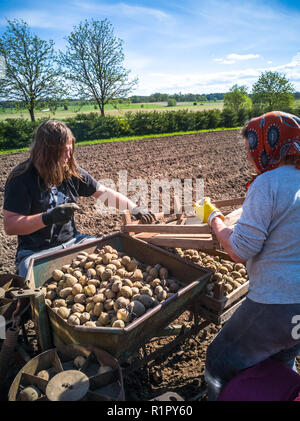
x,y
50,138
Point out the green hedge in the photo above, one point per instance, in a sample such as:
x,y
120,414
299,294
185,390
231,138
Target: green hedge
x,y
18,133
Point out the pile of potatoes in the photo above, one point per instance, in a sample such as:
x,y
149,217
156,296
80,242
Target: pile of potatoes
x,y
226,272
107,288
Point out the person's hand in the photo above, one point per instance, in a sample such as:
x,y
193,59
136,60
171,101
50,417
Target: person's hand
x,y
206,211
59,215
145,216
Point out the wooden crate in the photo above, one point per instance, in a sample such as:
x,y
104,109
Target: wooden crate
x,y
185,232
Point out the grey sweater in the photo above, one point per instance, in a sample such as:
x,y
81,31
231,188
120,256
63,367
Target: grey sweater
x,y
267,236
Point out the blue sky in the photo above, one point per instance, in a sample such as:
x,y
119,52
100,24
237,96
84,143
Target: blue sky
x,y
185,46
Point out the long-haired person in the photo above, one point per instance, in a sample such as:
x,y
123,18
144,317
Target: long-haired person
x,y
41,194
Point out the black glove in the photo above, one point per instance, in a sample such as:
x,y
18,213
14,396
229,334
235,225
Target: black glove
x,y
144,216
60,215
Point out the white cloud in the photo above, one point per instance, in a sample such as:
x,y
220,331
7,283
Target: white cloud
x,y
233,58
213,82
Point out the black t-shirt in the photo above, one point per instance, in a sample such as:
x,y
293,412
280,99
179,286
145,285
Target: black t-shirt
x,y
25,194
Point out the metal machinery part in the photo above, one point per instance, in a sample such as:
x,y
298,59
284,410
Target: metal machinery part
x,y
69,373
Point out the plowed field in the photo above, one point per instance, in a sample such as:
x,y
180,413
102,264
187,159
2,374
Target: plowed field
x,y
218,158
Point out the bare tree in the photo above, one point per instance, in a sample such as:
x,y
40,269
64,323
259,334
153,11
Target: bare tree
x,y
32,74
93,63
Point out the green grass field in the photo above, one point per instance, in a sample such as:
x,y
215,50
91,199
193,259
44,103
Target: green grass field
x,y
61,114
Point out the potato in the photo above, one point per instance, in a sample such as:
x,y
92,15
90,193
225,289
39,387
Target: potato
x,y
161,296
99,270
90,324
109,293
77,289
52,286
89,265
64,312
223,270
44,374
70,280
48,302
90,306
59,303
50,295
75,263
121,272
65,292
106,274
108,304
120,302
95,282
228,287
73,320
77,273
77,307
98,308
163,273
99,298
155,282
116,286
70,299
29,393
125,260
174,286
153,272
112,267
146,300
118,323
123,314
117,263
84,317
126,291
149,279
135,291
79,361
137,275
238,266
57,274
83,280
127,282
137,284
146,290
89,290
106,258
158,289
104,319
131,266
80,298
91,273
65,268
136,308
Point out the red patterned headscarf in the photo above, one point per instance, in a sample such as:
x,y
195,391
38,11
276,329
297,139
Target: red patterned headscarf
x,y
272,137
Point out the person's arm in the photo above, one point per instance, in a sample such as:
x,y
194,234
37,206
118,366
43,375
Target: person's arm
x,y
16,224
117,200
111,197
223,234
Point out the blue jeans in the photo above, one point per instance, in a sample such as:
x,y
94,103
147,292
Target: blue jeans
x,y
254,332
24,256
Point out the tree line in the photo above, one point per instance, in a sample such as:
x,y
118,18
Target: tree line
x,y
91,70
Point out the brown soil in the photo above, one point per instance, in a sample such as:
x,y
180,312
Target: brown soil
x,y
218,158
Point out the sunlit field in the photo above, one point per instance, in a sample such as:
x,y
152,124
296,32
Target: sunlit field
x,y
121,109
